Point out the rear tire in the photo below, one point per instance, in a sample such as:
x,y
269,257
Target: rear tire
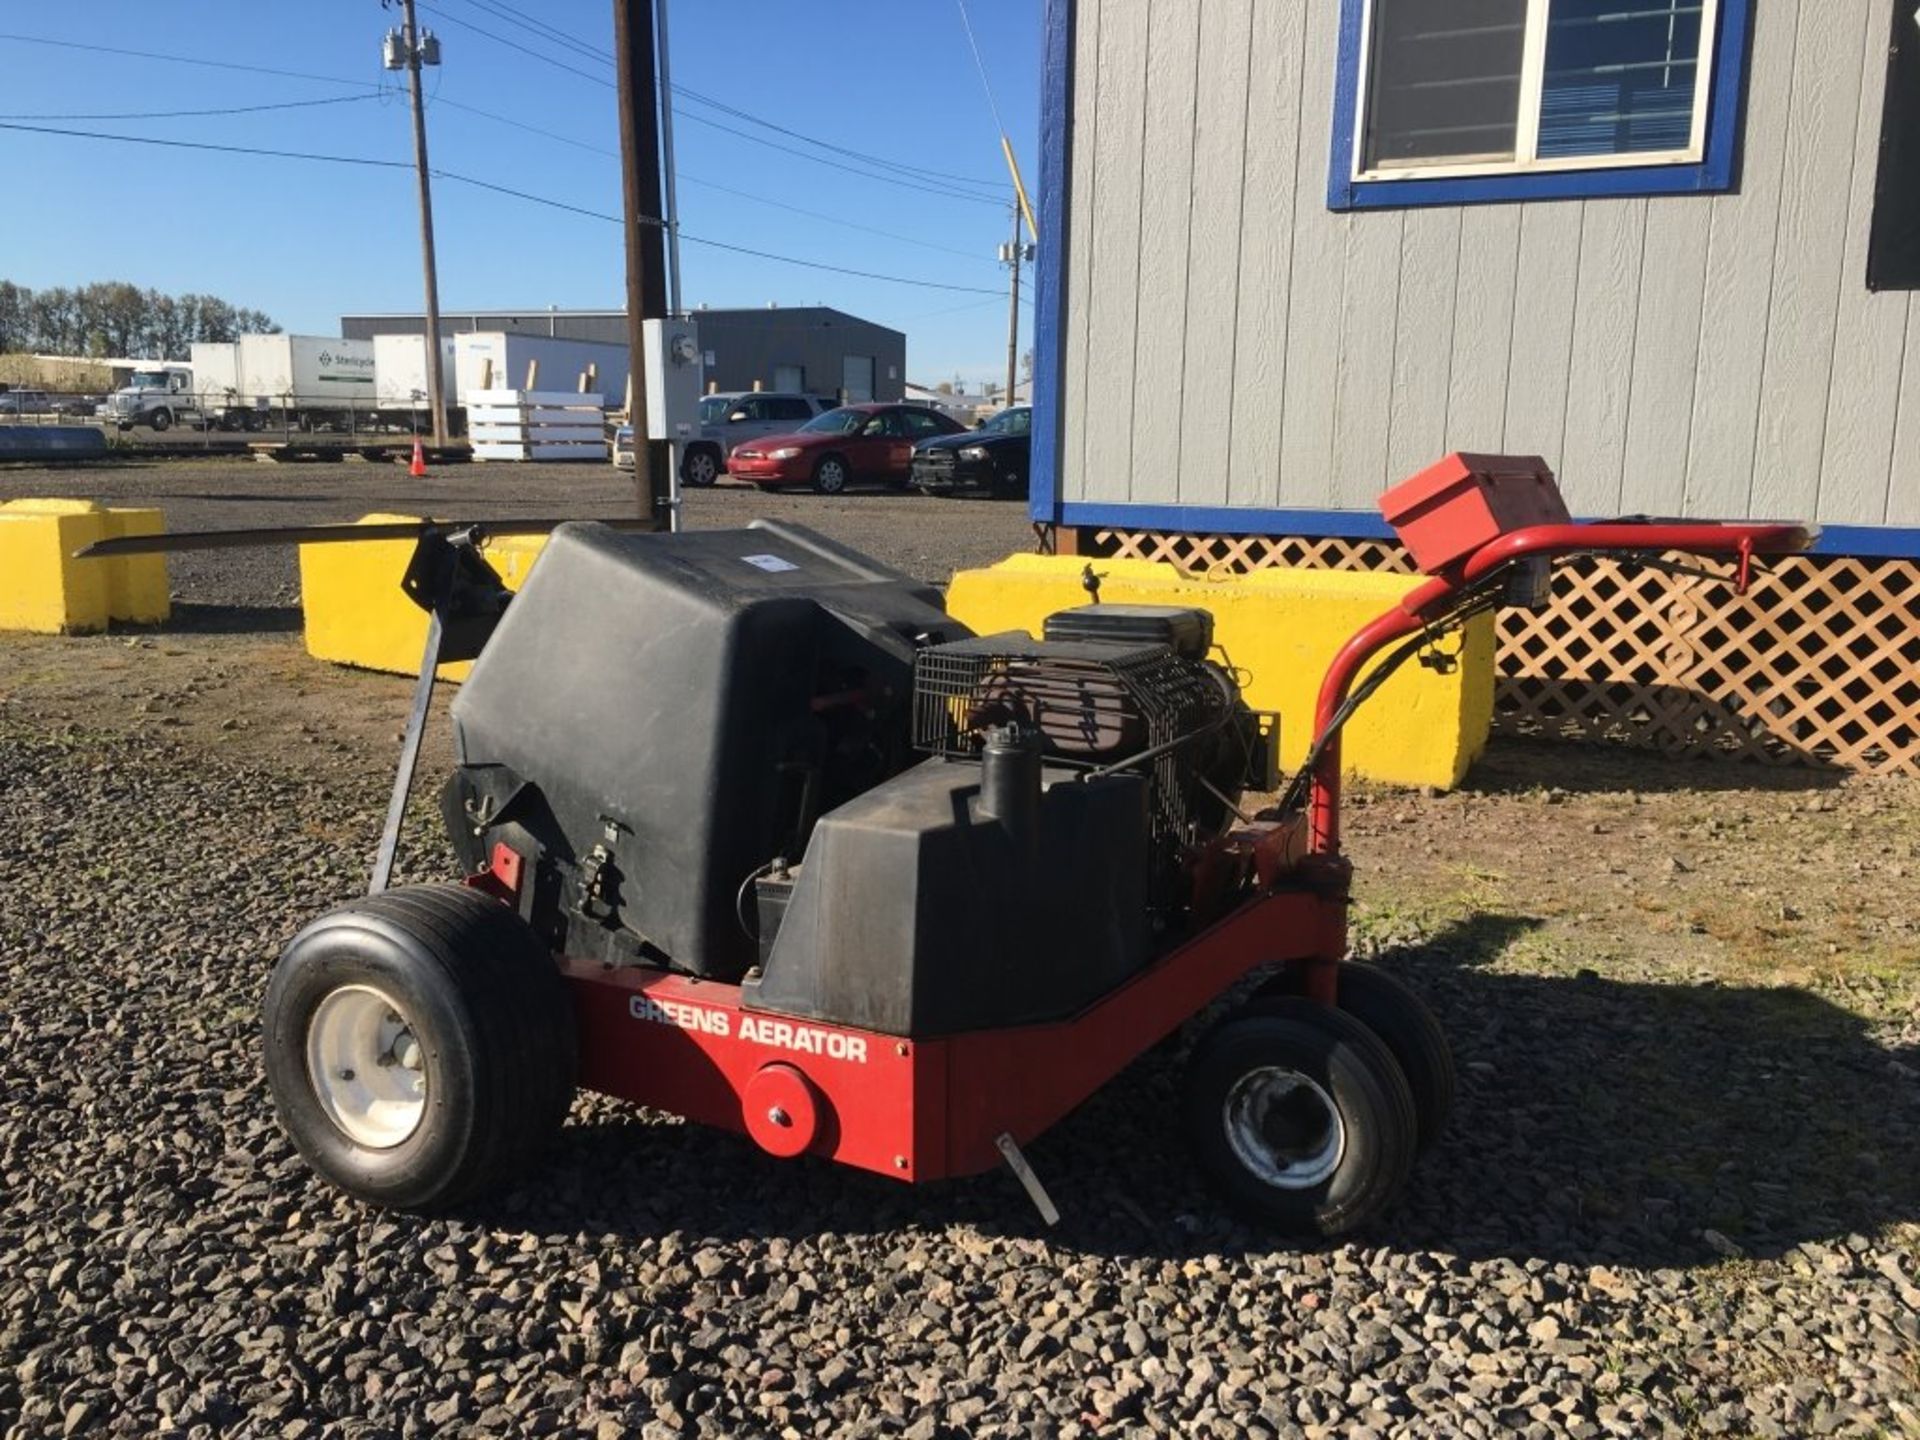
x,y
1382,1002
830,476
420,1045
1300,1118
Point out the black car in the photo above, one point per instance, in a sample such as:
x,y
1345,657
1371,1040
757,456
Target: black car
x,y
992,458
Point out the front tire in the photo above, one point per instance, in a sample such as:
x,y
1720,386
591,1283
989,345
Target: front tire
x,y
1384,1003
1300,1118
420,1046
161,420
830,476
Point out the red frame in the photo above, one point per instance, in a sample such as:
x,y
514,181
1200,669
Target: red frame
x,y
1426,603
917,1110
922,1110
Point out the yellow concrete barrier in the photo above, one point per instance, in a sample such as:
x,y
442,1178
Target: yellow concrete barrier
x,y
356,613
1280,628
43,588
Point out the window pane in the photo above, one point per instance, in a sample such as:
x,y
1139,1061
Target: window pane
x,y
1445,81
1620,76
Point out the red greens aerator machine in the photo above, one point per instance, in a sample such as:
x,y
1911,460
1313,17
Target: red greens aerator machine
x,y
755,833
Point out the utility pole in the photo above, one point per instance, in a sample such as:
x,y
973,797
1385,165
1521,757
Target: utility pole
x,y
1012,255
633,42
412,50
667,173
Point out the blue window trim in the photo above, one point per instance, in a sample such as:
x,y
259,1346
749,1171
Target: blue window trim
x,y
1056,139
1715,173
1863,541
1049,281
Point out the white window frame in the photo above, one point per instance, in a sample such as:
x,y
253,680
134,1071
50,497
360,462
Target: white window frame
x,y
1533,64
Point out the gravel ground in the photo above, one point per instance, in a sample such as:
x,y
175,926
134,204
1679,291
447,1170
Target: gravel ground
x,y
1679,1195
928,538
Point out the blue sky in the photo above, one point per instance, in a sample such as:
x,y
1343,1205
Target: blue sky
x,y
889,79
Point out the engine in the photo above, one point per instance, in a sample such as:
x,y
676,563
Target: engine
x,y
759,758
1045,854
1111,687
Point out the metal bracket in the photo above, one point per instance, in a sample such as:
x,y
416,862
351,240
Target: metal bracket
x,y
1030,1182
409,756
464,598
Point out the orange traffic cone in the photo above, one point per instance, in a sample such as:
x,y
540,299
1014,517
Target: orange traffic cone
x,y
419,465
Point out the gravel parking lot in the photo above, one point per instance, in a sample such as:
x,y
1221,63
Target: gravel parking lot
x,y
1680,1194
926,537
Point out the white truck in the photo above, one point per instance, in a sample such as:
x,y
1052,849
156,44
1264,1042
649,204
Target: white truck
x,y
159,395
400,379
300,382
216,384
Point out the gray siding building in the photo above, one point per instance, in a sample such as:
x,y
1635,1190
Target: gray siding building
x,y
810,348
1276,291
1293,251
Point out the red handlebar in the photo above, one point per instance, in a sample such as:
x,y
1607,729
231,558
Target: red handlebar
x,y
1427,602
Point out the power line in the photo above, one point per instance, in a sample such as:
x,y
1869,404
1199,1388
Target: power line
x,y
919,170
517,46
701,180
980,65
191,60
210,145
531,129
378,88
834,219
181,114
899,180
373,163
840,269
540,30
552,35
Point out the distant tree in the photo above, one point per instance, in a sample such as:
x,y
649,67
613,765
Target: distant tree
x,y
256,322
115,318
50,321
13,316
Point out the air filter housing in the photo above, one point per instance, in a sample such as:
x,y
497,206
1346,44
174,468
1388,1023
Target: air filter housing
x,y
1185,631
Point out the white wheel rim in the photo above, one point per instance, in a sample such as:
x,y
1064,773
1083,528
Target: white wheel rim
x,y
366,1066
1284,1128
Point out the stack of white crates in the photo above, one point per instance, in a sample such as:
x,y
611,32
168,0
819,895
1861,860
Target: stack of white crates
x,y
536,425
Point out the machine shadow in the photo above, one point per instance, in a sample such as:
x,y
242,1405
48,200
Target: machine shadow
x,y
196,619
1598,1122
1520,764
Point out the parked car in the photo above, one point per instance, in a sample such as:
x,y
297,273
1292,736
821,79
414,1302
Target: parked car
x,y
829,452
729,420
25,402
993,458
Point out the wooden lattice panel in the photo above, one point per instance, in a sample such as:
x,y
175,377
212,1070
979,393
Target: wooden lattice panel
x,y
1819,663
1253,552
